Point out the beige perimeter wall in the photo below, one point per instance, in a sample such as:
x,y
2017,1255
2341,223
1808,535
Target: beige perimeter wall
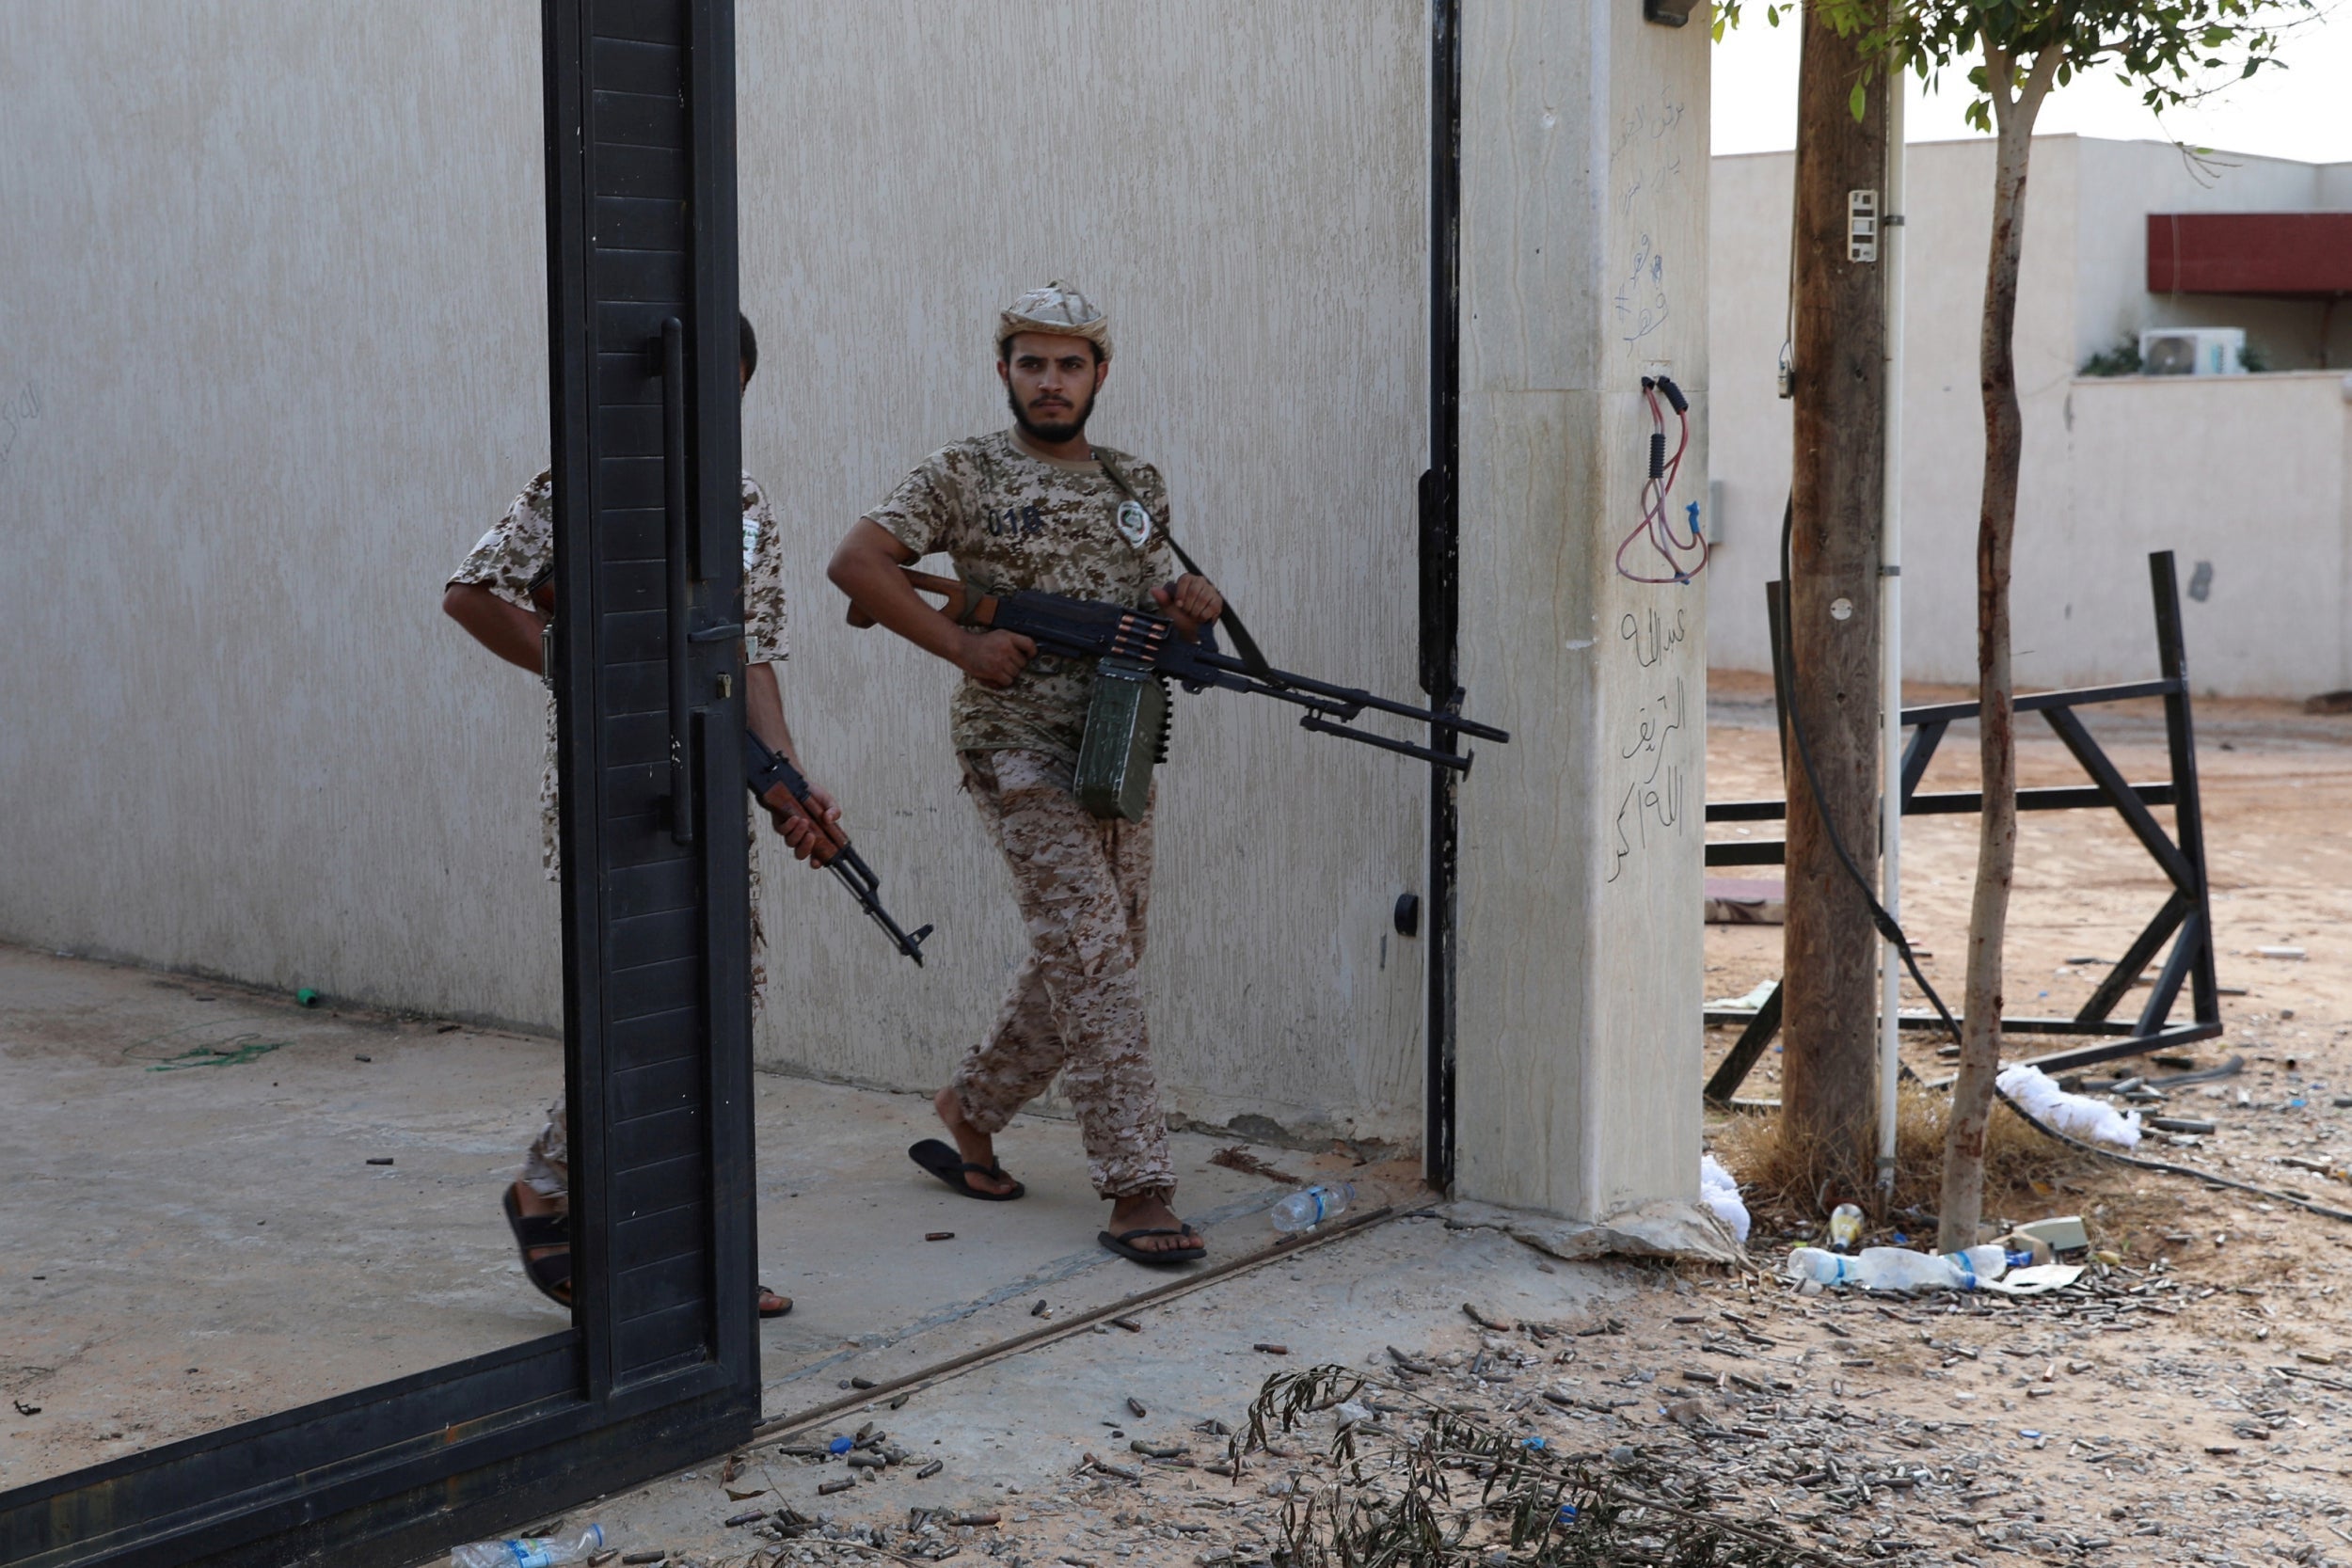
x,y
2243,474
272,356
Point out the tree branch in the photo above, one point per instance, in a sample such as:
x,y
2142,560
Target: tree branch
x,y
2038,82
2001,73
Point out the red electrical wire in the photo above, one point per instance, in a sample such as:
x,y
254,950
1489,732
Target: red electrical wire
x,y
1656,524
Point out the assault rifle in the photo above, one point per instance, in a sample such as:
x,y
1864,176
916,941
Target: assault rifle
x,y
1083,628
765,771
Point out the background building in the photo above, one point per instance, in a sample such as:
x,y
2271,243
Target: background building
x,y
2248,478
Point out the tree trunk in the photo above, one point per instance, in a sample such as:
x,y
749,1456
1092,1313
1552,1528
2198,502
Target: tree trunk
x,y
1963,1203
1829,964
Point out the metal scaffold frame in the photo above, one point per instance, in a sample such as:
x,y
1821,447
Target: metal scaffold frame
x,y
2184,919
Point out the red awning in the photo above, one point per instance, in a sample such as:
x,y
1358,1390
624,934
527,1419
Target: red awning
x,y
2282,255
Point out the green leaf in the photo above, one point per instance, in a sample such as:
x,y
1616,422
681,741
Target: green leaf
x,y
1858,101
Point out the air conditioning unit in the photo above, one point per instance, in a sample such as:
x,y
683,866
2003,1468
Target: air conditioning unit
x,y
2193,351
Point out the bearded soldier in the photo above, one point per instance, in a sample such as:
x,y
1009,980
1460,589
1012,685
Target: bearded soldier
x,y
491,595
1039,507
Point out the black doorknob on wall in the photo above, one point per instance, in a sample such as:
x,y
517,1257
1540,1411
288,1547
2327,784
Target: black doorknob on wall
x,y
1409,914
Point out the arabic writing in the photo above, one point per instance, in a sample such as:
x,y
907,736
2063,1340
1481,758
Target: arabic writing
x,y
1651,807
18,411
1652,638
1653,749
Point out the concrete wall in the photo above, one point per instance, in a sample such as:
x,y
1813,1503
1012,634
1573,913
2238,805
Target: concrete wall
x,y
1243,188
2080,582
2259,465
275,291
1584,265
272,350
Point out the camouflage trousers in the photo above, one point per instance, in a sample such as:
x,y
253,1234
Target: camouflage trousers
x,y
548,1166
1076,1004
548,1163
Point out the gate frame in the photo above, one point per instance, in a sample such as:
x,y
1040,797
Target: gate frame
x,y
1439,586
661,1365
2186,910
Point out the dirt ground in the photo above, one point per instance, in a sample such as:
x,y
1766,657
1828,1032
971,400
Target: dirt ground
x,y
2190,1401
2251,1285
2277,786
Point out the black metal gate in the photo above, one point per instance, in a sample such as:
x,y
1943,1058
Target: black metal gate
x,y
661,1367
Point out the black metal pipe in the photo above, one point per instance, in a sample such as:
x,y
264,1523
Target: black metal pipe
x,y
2188,814
677,520
2081,696
1440,596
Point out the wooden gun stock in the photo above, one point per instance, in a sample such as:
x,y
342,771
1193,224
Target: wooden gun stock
x,y
964,606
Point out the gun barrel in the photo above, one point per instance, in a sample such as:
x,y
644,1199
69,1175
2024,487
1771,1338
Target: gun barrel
x,y
1286,687
763,770
869,899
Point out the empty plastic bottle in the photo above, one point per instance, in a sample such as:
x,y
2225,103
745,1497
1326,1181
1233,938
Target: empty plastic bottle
x,y
1894,1268
1844,1227
538,1552
1304,1211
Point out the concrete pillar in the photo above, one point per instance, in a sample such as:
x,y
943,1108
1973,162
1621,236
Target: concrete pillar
x,y
1583,267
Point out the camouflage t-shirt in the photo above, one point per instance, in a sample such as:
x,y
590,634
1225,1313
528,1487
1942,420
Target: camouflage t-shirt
x,y
1011,519
520,545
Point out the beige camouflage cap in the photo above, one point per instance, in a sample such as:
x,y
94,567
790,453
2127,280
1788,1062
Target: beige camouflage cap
x,y
1058,308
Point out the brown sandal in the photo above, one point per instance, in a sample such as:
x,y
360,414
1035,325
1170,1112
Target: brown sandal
x,y
551,1272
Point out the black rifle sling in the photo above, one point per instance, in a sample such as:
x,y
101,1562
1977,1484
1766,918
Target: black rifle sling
x,y
1243,644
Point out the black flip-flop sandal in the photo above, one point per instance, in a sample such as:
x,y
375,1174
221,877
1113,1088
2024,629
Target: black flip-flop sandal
x,y
551,1274
760,1295
1123,1245
945,1163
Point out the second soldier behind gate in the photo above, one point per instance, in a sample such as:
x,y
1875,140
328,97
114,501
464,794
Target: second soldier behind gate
x,y
491,596
1038,507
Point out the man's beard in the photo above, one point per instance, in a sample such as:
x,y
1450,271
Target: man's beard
x,y
1049,435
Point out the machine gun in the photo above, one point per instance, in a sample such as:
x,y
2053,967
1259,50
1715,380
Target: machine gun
x,y
1142,641
765,771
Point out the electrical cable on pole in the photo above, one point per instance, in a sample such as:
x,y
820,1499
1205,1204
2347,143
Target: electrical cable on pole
x,y
1893,233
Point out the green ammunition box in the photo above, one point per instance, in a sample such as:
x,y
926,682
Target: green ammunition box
x,y
1126,733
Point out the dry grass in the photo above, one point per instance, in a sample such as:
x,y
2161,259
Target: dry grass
x,y
1783,1179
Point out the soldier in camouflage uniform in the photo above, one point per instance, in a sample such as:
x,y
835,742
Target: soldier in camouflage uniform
x,y
490,595
1038,507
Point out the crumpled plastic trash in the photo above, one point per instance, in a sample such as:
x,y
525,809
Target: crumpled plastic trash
x,y
1721,1194
1757,998
2034,1280
2075,1115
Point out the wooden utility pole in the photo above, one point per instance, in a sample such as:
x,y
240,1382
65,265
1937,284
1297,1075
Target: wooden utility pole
x,y
1830,1006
